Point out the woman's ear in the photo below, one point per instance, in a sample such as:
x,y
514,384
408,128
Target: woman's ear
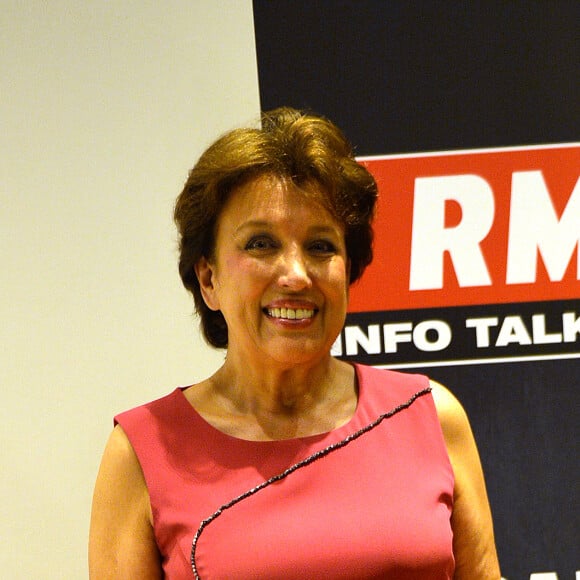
x,y
205,271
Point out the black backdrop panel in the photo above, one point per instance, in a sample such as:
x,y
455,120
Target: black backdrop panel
x,y
401,76
419,76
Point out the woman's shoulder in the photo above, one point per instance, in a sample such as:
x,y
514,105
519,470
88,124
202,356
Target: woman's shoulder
x,y
452,415
147,426
161,405
388,392
449,409
391,382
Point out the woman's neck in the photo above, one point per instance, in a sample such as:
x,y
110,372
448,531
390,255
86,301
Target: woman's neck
x,y
289,403
279,390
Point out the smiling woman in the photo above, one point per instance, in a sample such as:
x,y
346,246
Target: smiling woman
x,y
286,462
303,151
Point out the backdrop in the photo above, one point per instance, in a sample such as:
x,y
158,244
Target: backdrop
x,y
467,113
105,106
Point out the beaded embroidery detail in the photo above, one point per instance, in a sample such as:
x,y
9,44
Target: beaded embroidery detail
x,y
307,461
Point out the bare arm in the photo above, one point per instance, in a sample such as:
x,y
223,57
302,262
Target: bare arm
x,y
121,540
473,541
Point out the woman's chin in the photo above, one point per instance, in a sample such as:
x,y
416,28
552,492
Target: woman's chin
x,y
294,351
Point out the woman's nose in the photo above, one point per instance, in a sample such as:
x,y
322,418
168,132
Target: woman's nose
x,y
294,272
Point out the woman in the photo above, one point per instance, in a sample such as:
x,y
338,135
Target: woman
x,y
287,463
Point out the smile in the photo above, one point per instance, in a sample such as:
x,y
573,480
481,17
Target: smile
x,y
290,313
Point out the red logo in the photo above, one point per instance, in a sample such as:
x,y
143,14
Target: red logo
x,y
474,227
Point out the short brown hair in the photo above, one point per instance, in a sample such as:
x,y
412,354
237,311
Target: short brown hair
x,y
307,150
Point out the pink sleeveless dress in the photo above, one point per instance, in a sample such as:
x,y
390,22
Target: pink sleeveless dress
x,y
371,499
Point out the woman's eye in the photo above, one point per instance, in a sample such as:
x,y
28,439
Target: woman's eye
x,y
323,247
260,243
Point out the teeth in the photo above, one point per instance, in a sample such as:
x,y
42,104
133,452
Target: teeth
x,y
290,313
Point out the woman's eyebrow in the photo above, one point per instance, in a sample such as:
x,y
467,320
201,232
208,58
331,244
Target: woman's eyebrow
x,y
268,225
253,224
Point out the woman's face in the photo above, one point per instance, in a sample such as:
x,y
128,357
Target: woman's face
x,y
279,274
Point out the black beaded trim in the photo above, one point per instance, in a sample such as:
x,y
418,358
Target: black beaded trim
x,y
310,459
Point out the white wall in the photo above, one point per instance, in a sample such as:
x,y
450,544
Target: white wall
x,y
104,107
